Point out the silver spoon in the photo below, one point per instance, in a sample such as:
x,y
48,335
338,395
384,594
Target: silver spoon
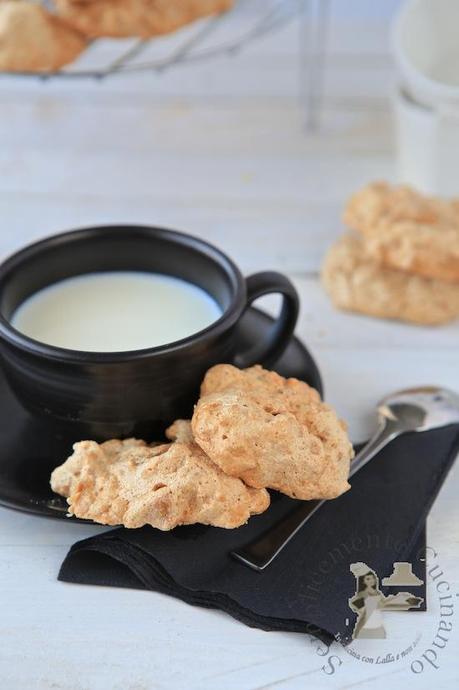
x,y
413,409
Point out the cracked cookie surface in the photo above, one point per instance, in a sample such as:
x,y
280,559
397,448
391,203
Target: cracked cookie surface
x,y
272,432
131,483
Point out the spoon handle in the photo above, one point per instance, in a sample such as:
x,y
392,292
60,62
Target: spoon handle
x,y
388,430
263,550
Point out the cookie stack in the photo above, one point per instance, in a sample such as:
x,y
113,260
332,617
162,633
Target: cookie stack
x,y
251,430
401,258
33,39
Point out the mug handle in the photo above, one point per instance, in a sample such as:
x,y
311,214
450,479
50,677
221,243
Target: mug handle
x,y
268,352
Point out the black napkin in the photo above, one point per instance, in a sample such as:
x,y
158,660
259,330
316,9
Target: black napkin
x,y
379,521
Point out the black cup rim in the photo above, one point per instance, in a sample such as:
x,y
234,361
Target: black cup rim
x,y
227,319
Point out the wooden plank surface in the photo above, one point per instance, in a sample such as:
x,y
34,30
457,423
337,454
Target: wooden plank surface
x,y
217,149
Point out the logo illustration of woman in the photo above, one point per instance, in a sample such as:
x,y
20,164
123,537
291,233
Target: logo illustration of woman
x,y
368,603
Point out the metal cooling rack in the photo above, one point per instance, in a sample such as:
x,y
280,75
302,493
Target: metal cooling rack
x,y
196,42
226,34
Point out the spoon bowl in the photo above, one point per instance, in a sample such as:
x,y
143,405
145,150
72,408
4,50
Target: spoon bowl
x,y
420,409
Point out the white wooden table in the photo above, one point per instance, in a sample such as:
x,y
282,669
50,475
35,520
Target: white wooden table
x,y
217,149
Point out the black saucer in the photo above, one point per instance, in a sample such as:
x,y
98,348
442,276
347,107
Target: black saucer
x,y
29,449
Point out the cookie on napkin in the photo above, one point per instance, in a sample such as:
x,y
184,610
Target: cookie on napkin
x,y
131,483
34,40
356,282
272,432
407,230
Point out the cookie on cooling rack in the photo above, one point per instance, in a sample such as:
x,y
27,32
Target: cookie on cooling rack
x,y
143,18
34,40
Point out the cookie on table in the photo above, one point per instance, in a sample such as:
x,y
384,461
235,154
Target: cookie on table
x,y
132,484
358,283
142,18
272,432
34,40
407,230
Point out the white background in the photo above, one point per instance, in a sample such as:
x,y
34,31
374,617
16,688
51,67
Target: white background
x,y
218,149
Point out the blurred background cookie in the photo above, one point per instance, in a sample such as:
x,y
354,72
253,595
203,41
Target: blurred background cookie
x,y
34,40
405,229
356,282
143,18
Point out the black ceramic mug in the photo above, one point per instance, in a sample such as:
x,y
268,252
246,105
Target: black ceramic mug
x,y
137,392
